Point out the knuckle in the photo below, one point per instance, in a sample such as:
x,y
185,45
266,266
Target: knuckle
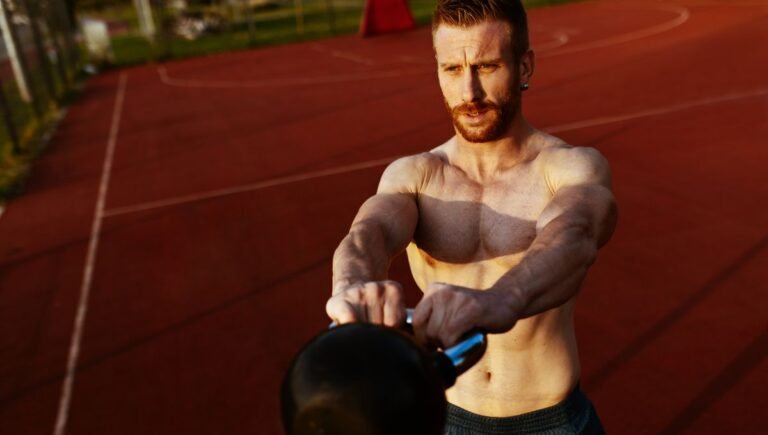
x,y
394,293
356,295
372,288
350,290
393,284
373,292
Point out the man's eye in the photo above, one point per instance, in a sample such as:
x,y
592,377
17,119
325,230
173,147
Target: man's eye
x,y
488,67
451,69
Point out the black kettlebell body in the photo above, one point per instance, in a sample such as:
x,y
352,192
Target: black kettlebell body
x,y
364,379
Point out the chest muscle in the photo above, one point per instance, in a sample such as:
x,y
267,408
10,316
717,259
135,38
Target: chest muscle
x,y
461,222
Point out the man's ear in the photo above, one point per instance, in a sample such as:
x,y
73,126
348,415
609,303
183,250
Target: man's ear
x,y
527,65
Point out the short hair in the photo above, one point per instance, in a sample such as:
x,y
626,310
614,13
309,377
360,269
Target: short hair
x,y
466,13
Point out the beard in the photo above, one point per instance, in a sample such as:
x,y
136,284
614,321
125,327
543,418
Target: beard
x,y
496,118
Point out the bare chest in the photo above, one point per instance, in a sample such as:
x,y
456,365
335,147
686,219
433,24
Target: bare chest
x,y
461,221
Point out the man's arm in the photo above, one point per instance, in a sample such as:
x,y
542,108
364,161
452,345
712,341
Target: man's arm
x,y
383,227
578,220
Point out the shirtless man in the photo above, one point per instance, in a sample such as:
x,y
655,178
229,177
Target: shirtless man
x,y
500,224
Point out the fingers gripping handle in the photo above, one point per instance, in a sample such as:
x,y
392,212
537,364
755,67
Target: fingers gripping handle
x,y
408,318
457,359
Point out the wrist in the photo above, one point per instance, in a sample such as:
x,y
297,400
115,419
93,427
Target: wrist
x,y
511,298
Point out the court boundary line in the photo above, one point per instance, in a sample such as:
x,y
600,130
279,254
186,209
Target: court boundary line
x,y
657,111
320,48
93,243
755,4
247,187
559,40
216,193
683,16
296,81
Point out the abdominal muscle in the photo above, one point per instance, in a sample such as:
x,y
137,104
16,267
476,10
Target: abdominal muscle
x,y
532,366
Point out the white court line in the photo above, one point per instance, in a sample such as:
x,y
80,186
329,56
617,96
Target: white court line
x,y
247,187
561,39
683,16
380,162
295,81
342,54
729,3
85,289
657,111
352,57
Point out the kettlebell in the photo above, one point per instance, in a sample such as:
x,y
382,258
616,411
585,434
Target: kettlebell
x,y
365,379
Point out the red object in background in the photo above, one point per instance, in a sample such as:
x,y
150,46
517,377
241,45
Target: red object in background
x,y
381,16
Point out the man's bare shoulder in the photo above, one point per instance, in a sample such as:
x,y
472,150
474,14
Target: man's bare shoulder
x,y
565,164
407,174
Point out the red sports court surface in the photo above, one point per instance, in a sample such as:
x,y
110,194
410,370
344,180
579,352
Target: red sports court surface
x,y
186,216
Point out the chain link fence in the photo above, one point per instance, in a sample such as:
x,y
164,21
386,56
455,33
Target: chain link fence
x,y
39,59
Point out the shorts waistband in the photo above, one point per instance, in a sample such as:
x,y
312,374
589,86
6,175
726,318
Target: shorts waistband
x,y
535,421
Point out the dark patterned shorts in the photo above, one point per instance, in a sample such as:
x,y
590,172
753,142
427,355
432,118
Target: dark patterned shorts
x,y
574,415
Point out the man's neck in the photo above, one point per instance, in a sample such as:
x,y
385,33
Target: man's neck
x,y
483,161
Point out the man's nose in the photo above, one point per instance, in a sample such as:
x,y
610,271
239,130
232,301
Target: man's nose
x,y
472,89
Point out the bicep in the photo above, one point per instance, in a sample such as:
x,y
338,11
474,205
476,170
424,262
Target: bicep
x,y
394,214
582,197
393,209
588,208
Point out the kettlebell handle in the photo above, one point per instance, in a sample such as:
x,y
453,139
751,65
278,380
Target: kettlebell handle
x,y
458,358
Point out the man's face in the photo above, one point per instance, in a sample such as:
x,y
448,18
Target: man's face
x,y
479,78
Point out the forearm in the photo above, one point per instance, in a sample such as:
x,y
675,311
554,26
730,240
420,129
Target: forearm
x,y
552,270
361,256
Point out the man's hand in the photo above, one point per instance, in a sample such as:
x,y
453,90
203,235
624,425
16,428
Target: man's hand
x,y
448,312
379,302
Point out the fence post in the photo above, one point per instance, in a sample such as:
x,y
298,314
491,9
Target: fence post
x,y
70,29
8,119
146,20
42,55
298,7
53,24
331,15
12,46
251,25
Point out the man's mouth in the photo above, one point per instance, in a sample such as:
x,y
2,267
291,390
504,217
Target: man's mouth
x,y
476,113
474,110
